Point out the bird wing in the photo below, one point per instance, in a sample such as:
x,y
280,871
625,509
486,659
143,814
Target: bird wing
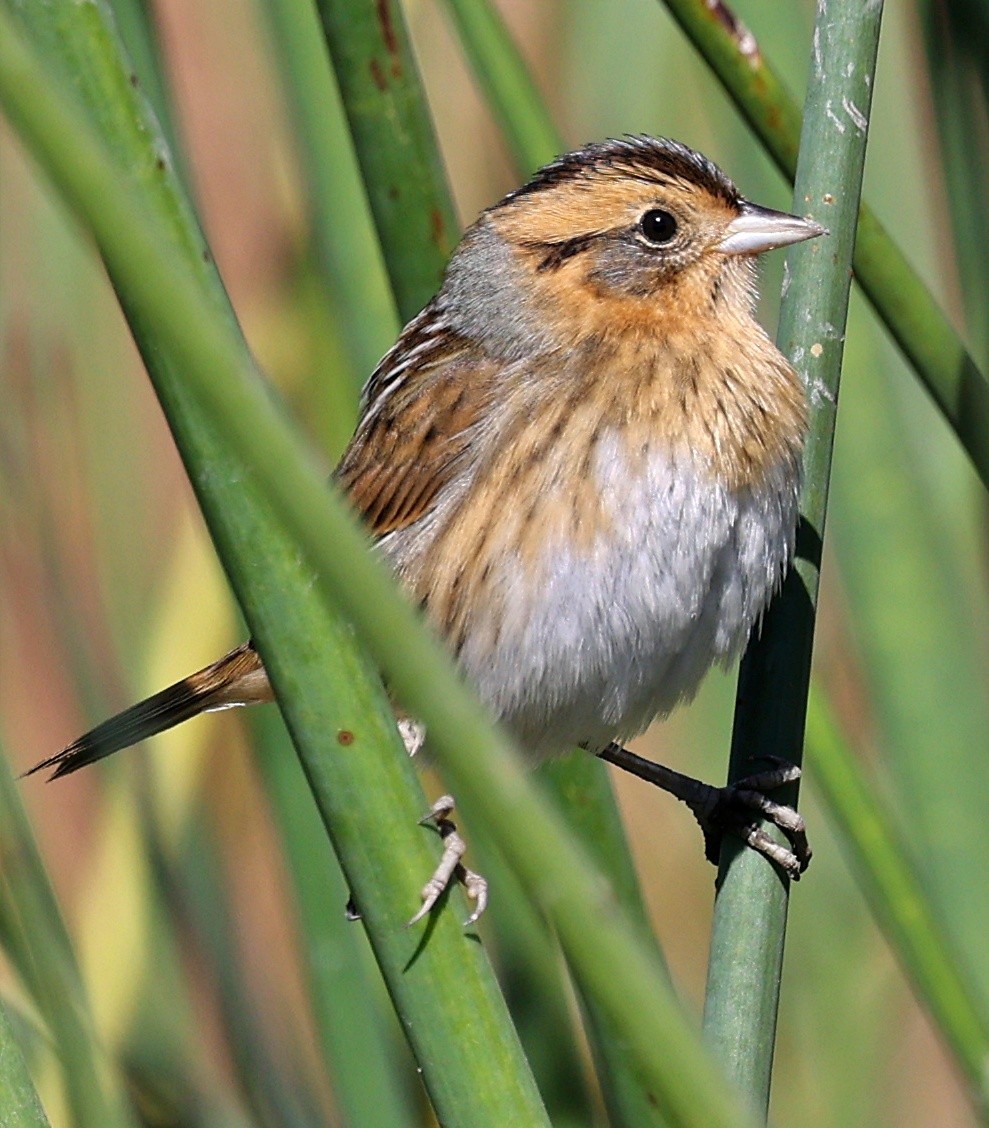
x,y
418,411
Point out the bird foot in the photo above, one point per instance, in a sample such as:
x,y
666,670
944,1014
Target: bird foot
x,y
731,809
450,866
734,809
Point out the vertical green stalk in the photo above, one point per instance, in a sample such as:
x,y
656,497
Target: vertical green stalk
x,y
750,910
393,135
348,254
897,293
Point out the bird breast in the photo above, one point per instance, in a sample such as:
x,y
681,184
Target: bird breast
x,y
581,614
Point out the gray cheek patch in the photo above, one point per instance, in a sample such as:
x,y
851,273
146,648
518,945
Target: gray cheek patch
x,y
484,298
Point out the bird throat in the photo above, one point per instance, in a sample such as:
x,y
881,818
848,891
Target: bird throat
x,y
718,394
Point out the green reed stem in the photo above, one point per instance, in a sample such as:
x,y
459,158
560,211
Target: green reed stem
x,y
19,1103
889,879
750,910
580,784
344,991
34,938
395,144
340,718
506,83
902,301
600,942
349,256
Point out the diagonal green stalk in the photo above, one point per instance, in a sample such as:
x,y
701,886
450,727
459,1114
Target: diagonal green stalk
x,y
901,300
19,1103
889,879
349,1008
330,693
506,83
579,784
346,1007
139,33
34,938
622,972
750,910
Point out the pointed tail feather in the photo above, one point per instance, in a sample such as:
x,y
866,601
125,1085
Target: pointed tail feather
x,y
238,678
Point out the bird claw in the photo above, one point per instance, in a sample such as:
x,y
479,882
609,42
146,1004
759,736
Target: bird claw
x,y
731,809
450,866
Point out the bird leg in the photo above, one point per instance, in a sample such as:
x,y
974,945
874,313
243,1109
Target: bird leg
x,y
735,808
450,866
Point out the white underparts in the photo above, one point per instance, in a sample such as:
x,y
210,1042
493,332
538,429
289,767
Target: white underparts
x,y
596,642
606,640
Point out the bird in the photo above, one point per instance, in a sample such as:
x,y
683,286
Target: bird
x,y
582,461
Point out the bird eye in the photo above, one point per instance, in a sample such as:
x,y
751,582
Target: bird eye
x,y
657,226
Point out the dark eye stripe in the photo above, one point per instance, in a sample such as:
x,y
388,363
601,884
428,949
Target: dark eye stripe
x,y
556,254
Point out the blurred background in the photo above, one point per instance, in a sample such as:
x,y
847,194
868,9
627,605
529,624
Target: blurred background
x,y
169,862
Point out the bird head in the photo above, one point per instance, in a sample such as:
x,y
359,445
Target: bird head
x,y
624,233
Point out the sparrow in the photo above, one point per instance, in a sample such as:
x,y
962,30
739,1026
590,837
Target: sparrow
x,y
582,461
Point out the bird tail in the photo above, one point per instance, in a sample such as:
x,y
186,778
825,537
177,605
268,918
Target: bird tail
x,y
238,678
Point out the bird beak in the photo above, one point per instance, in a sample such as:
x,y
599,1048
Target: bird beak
x,y
758,229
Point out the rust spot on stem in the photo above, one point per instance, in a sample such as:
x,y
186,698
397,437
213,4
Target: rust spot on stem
x,y
378,75
345,737
388,35
743,39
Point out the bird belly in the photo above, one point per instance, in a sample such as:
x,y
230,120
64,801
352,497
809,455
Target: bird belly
x,y
592,641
